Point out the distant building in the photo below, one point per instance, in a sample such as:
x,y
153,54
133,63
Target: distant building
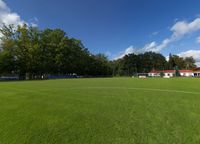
x,y
171,73
186,73
197,73
154,73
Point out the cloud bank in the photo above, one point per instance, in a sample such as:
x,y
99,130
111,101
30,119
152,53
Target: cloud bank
x,y
191,53
8,17
198,40
179,30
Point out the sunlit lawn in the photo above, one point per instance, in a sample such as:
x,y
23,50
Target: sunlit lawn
x,y
100,111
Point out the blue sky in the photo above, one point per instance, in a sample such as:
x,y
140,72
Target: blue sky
x,y
118,27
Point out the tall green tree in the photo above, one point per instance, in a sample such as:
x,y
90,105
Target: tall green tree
x,y
181,63
190,63
8,60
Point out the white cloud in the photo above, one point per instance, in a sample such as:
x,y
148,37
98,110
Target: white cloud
x,y
191,53
2,5
34,22
155,33
167,58
154,47
182,28
179,30
127,51
198,40
108,53
7,17
131,49
150,46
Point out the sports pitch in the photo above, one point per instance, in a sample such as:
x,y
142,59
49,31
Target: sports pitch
x,y
100,111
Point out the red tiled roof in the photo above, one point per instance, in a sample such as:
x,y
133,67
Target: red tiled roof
x,y
185,71
196,70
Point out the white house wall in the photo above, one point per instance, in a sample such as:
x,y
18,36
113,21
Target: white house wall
x,y
187,74
184,74
169,74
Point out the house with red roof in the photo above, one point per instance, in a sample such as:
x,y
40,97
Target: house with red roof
x,y
196,73
186,73
171,73
155,73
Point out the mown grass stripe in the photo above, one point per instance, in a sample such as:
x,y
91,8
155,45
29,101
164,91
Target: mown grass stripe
x,y
145,89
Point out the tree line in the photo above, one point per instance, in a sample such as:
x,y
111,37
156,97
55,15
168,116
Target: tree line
x,y
31,52
28,51
143,63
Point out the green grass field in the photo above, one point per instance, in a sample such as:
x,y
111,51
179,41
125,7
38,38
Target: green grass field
x,y
100,111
